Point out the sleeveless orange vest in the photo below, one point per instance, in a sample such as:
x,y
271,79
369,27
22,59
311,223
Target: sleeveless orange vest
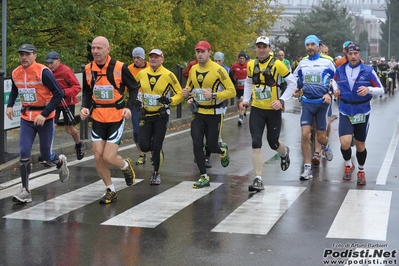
x,y
32,92
105,95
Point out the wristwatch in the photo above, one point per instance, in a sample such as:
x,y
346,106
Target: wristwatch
x,y
214,95
281,101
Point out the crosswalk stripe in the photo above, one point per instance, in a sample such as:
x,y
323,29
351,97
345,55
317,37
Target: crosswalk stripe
x,y
68,202
156,210
260,212
363,214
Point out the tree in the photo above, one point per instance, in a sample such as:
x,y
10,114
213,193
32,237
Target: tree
x,y
329,21
390,31
69,26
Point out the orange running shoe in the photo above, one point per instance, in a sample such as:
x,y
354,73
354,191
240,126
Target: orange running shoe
x,y
361,178
348,173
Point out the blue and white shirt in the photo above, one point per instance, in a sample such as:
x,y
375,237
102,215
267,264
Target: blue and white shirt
x,y
314,74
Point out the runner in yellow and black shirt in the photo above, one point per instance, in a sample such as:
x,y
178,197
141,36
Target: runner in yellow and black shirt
x,y
158,84
261,84
206,102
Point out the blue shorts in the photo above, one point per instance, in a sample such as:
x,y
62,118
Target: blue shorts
x,y
359,131
317,111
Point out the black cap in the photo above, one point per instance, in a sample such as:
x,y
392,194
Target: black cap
x,y
50,57
242,53
29,48
352,46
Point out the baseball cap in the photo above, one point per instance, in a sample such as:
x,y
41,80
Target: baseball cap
x,y
346,44
352,46
50,57
157,52
312,39
262,39
29,48
139,52
382,59
203,45
218,56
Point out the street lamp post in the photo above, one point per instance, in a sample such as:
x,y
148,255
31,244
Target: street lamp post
x,y
389,35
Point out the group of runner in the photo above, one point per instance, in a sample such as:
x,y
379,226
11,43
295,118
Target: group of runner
x,y
264,84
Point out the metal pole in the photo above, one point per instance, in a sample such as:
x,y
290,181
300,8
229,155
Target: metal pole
x,y
180,78
3,138
84,125
4,36
389,36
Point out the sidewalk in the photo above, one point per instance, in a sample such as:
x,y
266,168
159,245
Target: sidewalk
x,y
64,144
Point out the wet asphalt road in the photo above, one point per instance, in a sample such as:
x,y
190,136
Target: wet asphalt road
x,y
292,222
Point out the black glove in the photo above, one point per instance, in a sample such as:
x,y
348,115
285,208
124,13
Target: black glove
x,y
137,103
164,100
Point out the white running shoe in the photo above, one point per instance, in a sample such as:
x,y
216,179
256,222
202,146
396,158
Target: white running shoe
x,y
22,196
63,171
307,173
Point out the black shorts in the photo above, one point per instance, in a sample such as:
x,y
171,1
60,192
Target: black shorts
x,y
110,132
60,109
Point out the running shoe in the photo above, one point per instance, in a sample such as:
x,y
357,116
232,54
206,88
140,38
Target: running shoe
x,y
130,175
63,170
316,158
307,173
328,152
257,185
240,120
361,178
285,161
208,162
348,173
142,159
23,196
155,179
80,150
224,156
44,163
202,182
108,197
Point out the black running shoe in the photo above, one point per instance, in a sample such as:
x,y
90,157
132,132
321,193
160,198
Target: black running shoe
x,y
108,197
285,161
80,150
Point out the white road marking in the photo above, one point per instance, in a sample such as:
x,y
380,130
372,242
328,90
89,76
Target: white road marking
x,y
261,212
386,164
51,209
156,210
363,214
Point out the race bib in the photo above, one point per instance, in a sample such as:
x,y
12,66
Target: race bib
x,y
263,94
357,118
199,95
27,95
151,100
103,92
312,78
